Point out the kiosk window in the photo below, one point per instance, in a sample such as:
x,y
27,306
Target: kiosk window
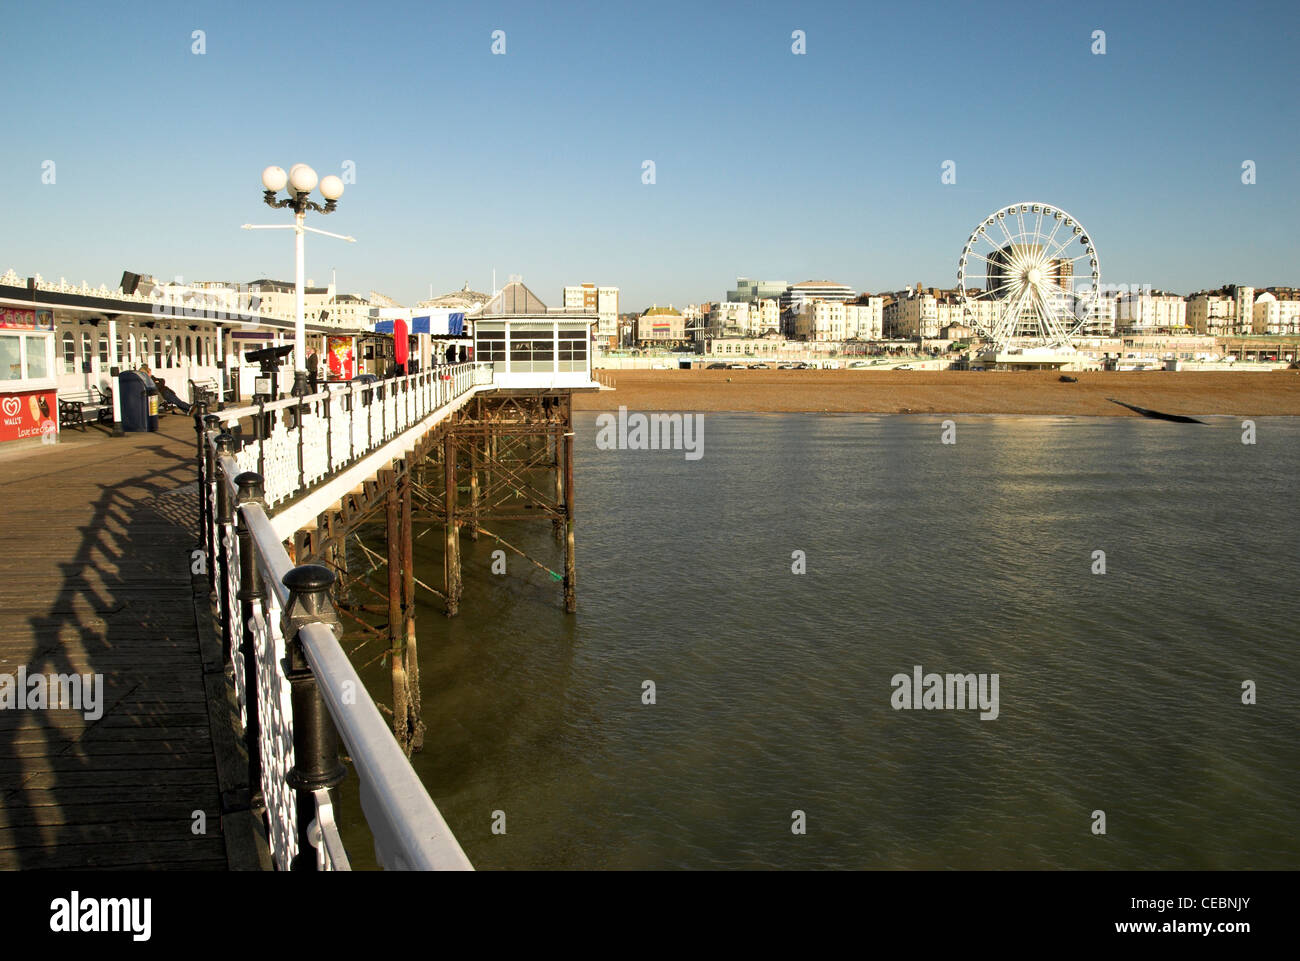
x,y
36,362
69,353
11,358
491,345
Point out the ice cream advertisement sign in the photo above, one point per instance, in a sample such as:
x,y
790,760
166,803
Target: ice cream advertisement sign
x,y
28,415
20,318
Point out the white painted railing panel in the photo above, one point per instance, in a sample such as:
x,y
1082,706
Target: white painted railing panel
x,y
275,713
315,442
408,830
334,431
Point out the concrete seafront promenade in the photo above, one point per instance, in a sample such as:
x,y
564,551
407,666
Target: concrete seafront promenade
x,y
95,579
1239,393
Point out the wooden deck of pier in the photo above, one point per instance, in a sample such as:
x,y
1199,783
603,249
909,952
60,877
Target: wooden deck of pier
x,y
95,539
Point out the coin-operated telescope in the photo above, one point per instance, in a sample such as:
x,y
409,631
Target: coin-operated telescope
x,y
267,386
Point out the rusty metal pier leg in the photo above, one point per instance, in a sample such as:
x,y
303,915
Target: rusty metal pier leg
x,y
415,725
396,625
556,439
570,566
451,556
473,487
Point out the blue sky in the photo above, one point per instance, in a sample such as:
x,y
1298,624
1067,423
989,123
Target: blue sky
x,y
768,164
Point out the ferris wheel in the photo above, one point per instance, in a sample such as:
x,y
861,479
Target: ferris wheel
x,y
1029,277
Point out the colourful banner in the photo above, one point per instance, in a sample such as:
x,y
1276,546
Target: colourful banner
x,y
29,414
21,318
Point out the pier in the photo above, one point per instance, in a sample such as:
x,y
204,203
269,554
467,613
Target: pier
x,y
207,574
96,537
284,487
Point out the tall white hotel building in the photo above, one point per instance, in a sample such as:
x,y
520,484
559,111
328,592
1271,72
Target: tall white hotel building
x,y
602,300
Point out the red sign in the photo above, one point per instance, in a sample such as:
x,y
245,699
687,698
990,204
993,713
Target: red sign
x,y
401,342
31,414
339,350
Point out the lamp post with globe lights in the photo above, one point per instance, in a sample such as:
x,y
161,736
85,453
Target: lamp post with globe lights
x,y
298,183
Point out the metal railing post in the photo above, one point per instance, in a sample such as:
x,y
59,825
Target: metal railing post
x,y
315,740
302,470
262,432
251,592
203,467
328,403
211,424
225,526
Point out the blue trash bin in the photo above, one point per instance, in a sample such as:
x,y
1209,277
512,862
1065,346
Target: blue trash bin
x,y
133,392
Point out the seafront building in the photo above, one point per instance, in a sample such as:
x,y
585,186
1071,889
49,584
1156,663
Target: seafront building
x,y
828,320
466,301
1143,311
752,291
795,296
603,301
661,327
1277,312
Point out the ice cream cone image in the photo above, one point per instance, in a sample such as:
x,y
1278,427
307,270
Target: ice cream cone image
x,y
35,405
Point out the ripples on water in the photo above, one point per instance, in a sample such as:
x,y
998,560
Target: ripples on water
x,y
1118,692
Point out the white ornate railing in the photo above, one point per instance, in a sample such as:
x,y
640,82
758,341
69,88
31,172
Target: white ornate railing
x,y
298,445
280,635
298,692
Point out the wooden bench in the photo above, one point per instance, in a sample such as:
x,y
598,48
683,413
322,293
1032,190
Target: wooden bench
x,y
207,392
78,405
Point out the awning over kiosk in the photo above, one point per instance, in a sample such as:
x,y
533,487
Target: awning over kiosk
x,y
437,323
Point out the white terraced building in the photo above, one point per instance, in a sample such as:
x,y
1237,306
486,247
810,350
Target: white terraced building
x,y
1212,312
1274,314
796,295
733,319
824,320
1150,310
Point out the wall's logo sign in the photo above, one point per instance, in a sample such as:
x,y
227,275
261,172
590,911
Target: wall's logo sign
x,y
11,406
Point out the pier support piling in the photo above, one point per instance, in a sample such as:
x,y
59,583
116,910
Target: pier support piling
x,y
415,726
397,620
570,564
451,557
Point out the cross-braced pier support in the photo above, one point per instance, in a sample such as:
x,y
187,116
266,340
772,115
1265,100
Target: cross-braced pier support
x,y
513,451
